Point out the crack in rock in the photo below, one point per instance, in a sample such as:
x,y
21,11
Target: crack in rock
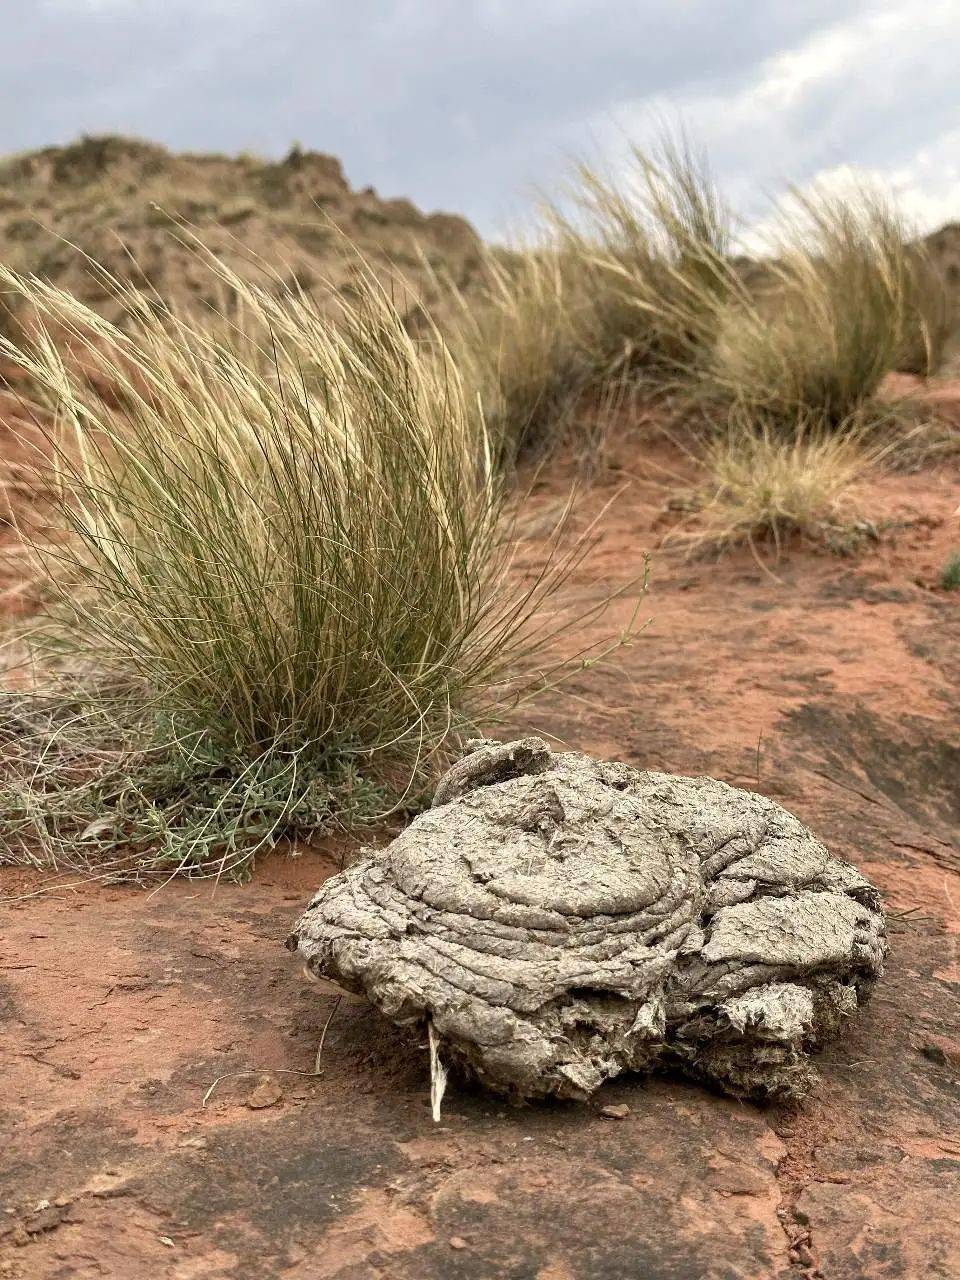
x,y
560,920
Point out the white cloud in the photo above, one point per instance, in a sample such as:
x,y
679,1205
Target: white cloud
x,y
928,188
872,98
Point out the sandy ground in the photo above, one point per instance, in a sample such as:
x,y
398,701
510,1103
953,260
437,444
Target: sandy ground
x,y
828,683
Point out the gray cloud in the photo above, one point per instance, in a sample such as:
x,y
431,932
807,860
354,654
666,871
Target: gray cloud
x,y
466,104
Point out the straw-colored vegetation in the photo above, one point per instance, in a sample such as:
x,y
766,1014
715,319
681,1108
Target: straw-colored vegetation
x,y
515,342
622,285
645,281
648,258
928,317
636,281
280,569
815,338
282,564
762,484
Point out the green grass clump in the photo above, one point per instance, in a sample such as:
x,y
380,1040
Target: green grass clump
x,y
90,777
283,536
950,573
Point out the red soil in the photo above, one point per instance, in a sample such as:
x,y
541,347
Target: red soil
x,y
828,683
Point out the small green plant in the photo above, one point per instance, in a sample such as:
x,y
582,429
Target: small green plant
x,y
281,562
950,573
92,778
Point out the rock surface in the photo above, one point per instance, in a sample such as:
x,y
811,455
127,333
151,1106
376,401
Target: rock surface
x,y
560,920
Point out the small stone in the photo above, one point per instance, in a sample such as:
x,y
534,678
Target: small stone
x,y
615,1111
42,1220
803,1254
267,1094
457,1242
108,1191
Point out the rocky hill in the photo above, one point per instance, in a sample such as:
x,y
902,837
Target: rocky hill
x,y
121,201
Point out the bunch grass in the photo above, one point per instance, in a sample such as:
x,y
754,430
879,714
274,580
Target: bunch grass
x,y
284,536
648,257
761,486
515,341
620,285
827,321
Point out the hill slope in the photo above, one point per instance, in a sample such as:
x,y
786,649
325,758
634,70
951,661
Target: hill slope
x,y
120,201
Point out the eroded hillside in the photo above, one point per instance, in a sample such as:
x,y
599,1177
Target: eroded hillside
x,y
126,204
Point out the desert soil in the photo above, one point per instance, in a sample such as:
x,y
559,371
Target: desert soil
x,y
161,1117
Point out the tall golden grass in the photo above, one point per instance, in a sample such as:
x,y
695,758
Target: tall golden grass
x,y
515,343
826,323
636,276
286,536
648,257
635,282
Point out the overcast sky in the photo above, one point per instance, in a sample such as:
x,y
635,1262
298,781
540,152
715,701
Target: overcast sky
x,y
469,105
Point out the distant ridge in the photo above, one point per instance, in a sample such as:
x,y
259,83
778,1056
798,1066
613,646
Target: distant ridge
x,y
118,199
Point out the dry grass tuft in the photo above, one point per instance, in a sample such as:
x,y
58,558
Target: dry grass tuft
x,y
928,318
623,286
815,339
635,280
647,257
515,342
283,560
762,487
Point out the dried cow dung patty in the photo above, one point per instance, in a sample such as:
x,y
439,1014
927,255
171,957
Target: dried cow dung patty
x,y
560,920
